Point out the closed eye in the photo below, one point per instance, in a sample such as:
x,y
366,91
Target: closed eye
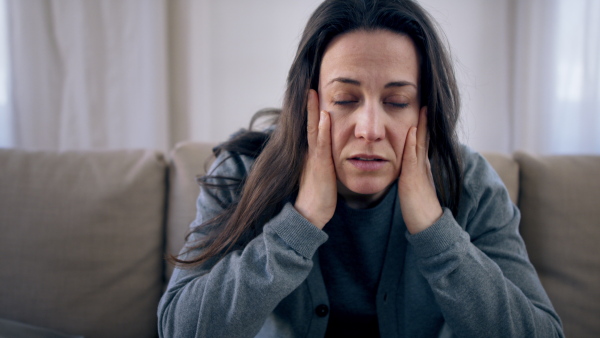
x,y
398,105
342,103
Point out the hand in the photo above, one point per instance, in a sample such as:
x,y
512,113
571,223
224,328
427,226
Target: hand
x,y
418,200
317,196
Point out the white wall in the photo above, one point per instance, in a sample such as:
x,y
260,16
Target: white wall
x,y
243,51
245,48
479,35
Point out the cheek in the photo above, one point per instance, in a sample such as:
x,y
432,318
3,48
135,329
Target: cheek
x,y
340,133
398,134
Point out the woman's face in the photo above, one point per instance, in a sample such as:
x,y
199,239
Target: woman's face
x,y
369,84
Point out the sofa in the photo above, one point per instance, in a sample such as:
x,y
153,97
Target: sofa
x,y
84,234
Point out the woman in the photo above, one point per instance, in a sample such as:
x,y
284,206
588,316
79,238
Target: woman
x,y
362,216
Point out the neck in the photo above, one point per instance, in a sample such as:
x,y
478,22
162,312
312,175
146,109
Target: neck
x,y
360,201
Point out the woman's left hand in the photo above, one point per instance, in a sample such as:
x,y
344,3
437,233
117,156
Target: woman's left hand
x,y
418,200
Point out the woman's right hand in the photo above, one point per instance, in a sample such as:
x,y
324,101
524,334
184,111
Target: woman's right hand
x,y
317,196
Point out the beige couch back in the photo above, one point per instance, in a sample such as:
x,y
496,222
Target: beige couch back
x,y
560,207
81,240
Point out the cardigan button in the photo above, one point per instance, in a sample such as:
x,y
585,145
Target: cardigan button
x,y
322,310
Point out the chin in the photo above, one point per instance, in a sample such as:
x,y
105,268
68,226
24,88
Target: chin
x,y
367,186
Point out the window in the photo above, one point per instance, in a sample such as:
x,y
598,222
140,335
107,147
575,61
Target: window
x,y
576,112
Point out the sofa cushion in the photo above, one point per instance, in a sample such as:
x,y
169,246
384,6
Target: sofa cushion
x,y
560,205
82,240
187,161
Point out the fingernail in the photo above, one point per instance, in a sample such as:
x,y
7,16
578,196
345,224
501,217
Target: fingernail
x,y
323,115
414,132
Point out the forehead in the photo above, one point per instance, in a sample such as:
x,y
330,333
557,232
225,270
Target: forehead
x,y
379,53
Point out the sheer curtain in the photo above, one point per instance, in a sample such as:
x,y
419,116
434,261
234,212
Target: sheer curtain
x,y
89,74
6,138
557,76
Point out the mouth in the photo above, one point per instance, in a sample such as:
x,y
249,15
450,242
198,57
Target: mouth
x,y
367,162
362,157
366,159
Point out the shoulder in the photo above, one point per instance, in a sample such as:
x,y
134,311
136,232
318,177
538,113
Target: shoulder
x,y
477,171
482,188
236,156
229,166
221,186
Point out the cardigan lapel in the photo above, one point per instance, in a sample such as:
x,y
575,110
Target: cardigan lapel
x,y
390,290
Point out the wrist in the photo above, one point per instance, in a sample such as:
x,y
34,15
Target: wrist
x,y
310,216
429,219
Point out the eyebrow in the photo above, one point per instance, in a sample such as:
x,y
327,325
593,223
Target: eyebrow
x,y
400,84
357,83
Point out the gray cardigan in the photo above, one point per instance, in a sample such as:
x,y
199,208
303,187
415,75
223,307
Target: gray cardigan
x,y
467,275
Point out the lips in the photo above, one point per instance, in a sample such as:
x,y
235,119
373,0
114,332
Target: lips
x,y
365,157
366,162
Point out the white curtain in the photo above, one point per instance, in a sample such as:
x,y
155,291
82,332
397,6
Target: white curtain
x,y
556,107
6,138
89,74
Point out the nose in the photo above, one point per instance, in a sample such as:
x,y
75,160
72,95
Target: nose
x,y
369,123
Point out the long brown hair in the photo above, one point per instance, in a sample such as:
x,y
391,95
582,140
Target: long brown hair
x,y
280,156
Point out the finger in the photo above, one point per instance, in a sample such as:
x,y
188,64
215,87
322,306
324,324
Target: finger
x,y
324,137
422,135
312,123
409,157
